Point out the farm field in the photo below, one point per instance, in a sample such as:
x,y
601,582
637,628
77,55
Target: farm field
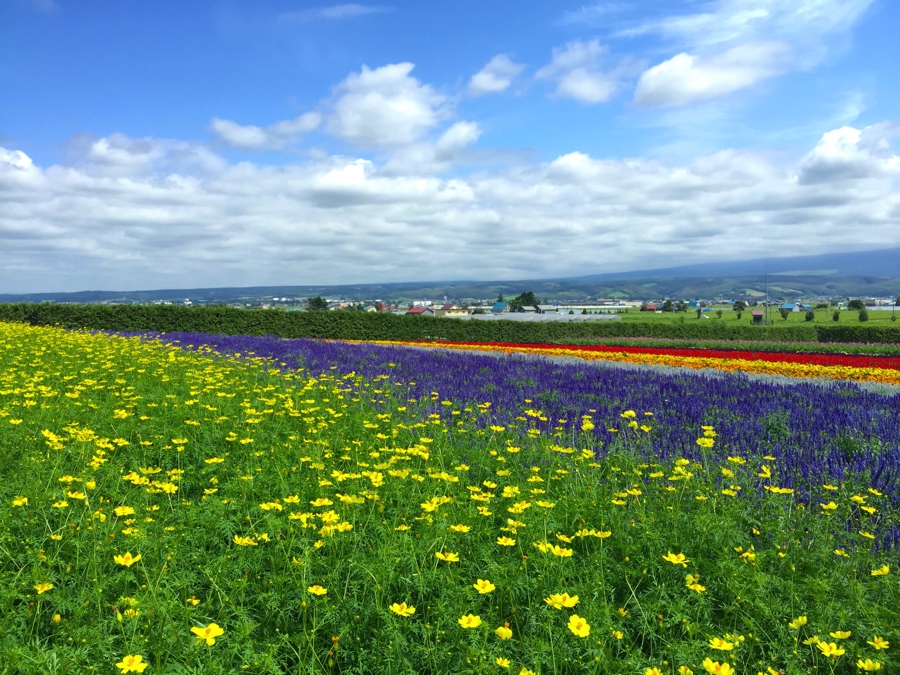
x,y
880,317
194,503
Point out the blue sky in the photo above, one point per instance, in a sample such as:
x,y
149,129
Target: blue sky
x,y
171,144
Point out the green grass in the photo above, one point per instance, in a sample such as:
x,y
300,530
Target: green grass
x,y
822,317
250,486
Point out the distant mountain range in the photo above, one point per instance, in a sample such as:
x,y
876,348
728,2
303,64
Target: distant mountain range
x,y
865,274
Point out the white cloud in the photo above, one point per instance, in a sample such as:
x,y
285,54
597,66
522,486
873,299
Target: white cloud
x,y
576,70
495,77
849,154
334,12
274,136
736,43
385,107
685,78
188,218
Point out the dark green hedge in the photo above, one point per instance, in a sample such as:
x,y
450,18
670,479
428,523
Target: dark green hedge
x,y
369,326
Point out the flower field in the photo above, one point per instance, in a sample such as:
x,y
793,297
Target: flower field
x,y
879,369
208,504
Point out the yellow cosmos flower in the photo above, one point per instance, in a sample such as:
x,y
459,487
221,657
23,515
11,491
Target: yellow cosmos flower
x,y
879,643
504,632
506,541
208,633
317,590
560,600
123,511
459,528
402,609
840,634
830,649
881,571
719,643
525,671
798,622
830,506
127,559
483,586
868,665
447,557
717,668
43,588
684,670
20,501
676,559
469,621
579,626
132,664
503,663
653,671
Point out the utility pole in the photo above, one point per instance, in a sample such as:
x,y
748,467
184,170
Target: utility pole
x,y
767,294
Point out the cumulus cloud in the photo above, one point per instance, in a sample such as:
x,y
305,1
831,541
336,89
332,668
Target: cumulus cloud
x,y
273,137
849,154
685,78
576,69
186,219
736,43
385,107
495,77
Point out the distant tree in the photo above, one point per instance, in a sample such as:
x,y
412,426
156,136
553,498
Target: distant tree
x,y
668,306
857,304
836,316
317,304
680,306
571,311
821,305
719,313
863,314
785,313
739,307
526,299
810,316
500,298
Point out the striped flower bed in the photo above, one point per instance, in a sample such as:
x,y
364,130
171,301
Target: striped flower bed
x,y
883,370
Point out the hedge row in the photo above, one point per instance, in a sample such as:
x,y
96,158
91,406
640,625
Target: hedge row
x,y
369,326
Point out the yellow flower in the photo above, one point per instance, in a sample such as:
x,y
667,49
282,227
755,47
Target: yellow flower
x,y
208,633
676,559
506,541
717,668
719,643
469,621
830,506
459,528
317,590
447,557
504,632
879,643
798,622
814,640
43,588
560,600
868,664
244,541
483,586
579,626
525,671
840,634
20,501
653,671
503,663
402,609
684,670
128,560
132,664
830,649
881,571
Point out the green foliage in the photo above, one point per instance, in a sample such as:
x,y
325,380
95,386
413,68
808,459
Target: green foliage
x,y
856,304
863,315
526,299
317,304
375,326
785,313
810,316
836,316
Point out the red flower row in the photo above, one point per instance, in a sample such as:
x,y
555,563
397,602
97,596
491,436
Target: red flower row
x,y
844,360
